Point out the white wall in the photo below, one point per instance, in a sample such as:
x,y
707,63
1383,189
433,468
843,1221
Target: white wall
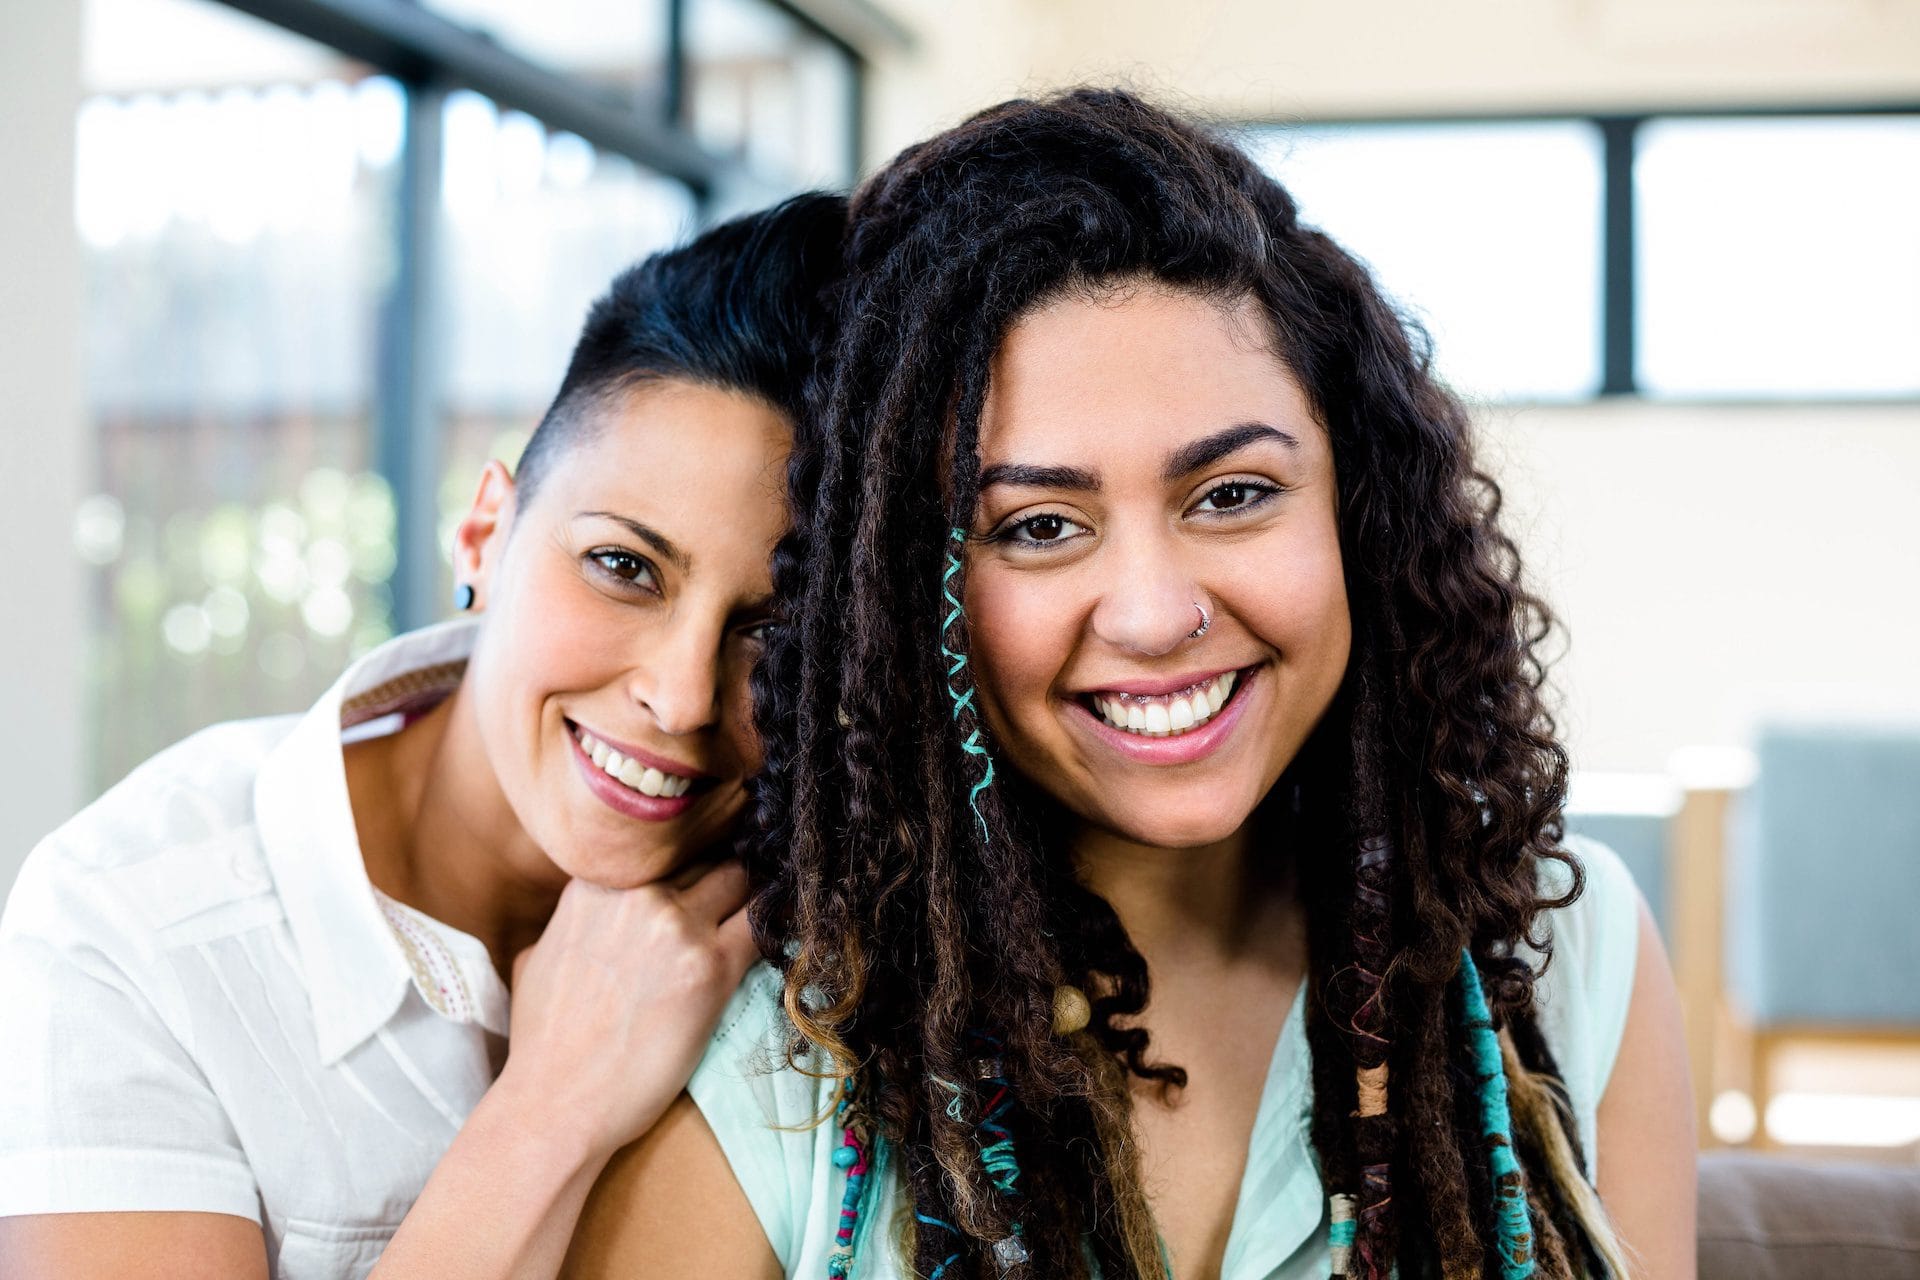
x,y
42,440
1244,59
1713,565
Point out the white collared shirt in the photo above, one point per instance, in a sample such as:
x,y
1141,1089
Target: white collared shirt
x,y
206,1005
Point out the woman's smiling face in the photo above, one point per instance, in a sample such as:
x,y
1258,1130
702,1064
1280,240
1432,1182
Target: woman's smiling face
x,y
623,605
1146,456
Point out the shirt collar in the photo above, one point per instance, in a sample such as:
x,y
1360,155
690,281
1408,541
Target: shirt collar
x,y
356,972
1282,1201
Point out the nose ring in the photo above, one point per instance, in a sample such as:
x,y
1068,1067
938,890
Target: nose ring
x,y
1206,620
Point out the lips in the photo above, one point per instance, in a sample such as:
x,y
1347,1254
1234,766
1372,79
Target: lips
x,y
1099,710
1162,715
660,789
630,772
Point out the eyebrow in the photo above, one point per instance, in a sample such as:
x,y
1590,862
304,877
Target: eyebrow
x,y
1184,461
652,537
1207,450
1038,477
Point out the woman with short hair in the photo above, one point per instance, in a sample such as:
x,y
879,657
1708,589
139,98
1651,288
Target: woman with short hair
x,y
254,1000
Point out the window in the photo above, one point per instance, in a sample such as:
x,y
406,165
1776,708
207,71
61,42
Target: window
x,y
765,88
1779,256
231,221
1488,234
616,45
535,226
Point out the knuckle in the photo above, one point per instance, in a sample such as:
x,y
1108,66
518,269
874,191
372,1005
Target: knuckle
x,y
701,967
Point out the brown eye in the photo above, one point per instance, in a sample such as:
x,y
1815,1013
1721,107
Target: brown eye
x,y
1237,496
1042,530
1045,528
615,562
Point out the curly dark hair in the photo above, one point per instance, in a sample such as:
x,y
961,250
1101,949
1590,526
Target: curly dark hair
x,y
912,943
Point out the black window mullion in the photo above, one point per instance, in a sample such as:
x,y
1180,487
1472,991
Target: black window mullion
x,y
415,44
1617,302
676,78
411,421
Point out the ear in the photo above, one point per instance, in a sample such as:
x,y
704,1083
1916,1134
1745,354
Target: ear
x,y
480,539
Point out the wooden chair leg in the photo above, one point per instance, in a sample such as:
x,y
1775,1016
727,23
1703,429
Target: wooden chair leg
x,y
1696,880
1760,1087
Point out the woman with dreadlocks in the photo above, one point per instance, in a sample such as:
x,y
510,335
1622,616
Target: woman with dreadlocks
x,y
1160,837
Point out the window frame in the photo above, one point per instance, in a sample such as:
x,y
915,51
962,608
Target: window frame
x,y
1619,302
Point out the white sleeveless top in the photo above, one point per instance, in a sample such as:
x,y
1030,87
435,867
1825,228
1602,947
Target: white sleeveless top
x,y
762,1112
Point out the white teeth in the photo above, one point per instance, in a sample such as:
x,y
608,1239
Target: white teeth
x,y
1165,716
629,772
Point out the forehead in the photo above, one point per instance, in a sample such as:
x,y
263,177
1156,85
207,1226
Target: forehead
x,y
697,462
1144,365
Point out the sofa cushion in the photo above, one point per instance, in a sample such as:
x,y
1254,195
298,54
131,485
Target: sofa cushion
x,y
1774,1218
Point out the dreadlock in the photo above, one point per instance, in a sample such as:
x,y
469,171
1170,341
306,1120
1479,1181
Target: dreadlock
x,y
915,908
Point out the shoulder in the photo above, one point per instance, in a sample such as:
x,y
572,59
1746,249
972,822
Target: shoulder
x,y
170,843
197,789
771,1116
745,1085
106,1104
1585,987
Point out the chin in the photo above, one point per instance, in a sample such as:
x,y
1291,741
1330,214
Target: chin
x,y
627,868
1161,832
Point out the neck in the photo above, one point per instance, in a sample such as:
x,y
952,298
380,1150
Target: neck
x,y
1202,905
438,834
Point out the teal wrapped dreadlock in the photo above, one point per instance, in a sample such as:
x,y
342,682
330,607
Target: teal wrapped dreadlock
x,y
957,663
1514,1244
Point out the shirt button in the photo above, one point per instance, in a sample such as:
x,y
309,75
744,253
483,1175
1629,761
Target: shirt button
x,y
248,874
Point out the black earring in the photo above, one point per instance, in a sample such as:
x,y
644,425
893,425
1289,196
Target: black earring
x,y
463,596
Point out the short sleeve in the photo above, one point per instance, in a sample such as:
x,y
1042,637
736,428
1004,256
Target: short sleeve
x,y
1582,998
769,1117
102,1108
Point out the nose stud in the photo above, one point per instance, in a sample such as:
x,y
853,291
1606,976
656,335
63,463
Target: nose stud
x,y
1206,620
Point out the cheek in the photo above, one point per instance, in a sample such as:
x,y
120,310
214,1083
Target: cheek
x,y
742,737
1019,635
543,636
1294,597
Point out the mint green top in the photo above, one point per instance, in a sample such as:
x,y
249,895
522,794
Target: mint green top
x,y
762,1112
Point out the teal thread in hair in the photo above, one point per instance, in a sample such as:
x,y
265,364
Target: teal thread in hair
x,y
961,701
947,1227
956,1101
1515,1238
996,1154
1342,1233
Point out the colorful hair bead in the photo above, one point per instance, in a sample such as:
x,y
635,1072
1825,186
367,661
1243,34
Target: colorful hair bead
x,y
1340,1232
1514,1243
852,1156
